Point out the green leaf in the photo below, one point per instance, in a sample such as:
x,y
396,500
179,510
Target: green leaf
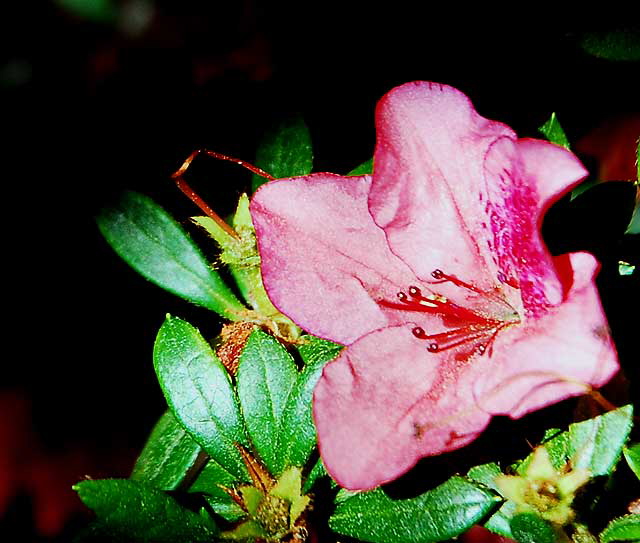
x,y
158,248
554,132
298,433
285,151
266,375
530,528
211,482
596,444
632,456
246,269
499,522
625,268
622,44
100,11
317,471
167,456
441,513
130,510
198,389
634,224
363,169
625,528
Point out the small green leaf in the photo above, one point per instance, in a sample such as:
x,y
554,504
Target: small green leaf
x,y
129,510
632,456
364,168
596,444
167,456
285,151
622,44
266,375
499,522
554,132
317,471
530,528
158,248
441,513
625,268
198,389
298,433
246,269
211,482
625,528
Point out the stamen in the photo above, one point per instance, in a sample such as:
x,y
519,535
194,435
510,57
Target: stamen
x,y
415,292
419,332
475,327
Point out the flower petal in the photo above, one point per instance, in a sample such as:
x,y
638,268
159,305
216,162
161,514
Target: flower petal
x,y
554,169
457,192
562,354
386,402
325,263
428,190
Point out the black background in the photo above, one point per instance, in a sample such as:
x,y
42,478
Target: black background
x,y
97,111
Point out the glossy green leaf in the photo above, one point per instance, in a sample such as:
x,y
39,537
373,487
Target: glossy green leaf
x,y
285,151
317,471
634,224
298,433
554,132
167,456
211,482
441,513
622,44
159,249
128,510
363,169
499,522
596,444
625,528
530,528
198,390
632,456
266,375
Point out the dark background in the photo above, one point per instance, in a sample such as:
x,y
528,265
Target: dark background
x,y
90,108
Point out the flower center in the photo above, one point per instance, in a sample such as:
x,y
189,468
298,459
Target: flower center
x,y
474,326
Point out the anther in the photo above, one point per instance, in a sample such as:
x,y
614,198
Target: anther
x,y
415,292
433,347
419,332
402,296
482,349
437,274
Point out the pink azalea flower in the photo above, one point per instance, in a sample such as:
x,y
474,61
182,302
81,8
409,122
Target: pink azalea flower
x,y
433,273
